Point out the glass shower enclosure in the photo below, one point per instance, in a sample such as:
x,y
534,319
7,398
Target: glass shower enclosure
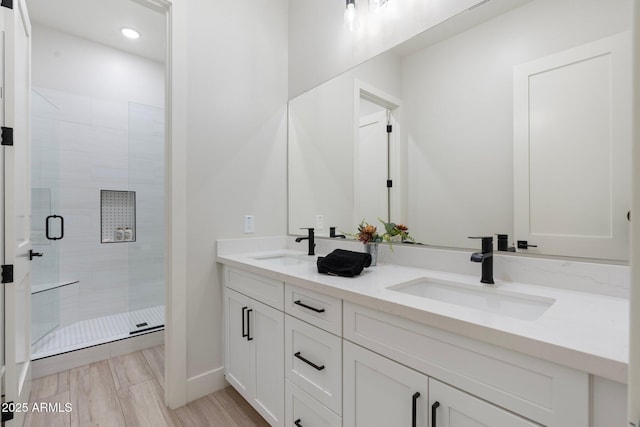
x,y
97,222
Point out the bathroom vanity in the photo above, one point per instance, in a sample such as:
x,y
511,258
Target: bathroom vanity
x,y
406,345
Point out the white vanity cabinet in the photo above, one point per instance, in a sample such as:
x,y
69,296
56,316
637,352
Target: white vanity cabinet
x,y
254,342
379,392
313,358
450,407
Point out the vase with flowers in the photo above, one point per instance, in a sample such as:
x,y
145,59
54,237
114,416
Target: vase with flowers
x,y
369,236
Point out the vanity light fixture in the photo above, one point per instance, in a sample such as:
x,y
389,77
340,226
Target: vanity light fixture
x,y
130,33
351,15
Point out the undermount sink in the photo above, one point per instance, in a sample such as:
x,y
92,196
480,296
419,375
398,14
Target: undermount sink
x,y
286,259
485,298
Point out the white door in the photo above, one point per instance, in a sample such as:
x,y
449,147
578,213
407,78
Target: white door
x,y
451,407
238,365
371,194
17,206
379,392
572,151
266,330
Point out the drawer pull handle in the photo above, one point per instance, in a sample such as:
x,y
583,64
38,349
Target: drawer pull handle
x,y
434,411
249,337
317,310
308,362
244,326
297,422
414,408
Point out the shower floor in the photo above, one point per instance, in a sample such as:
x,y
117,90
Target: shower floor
x,y
87,333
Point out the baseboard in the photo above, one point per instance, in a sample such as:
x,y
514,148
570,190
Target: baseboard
x,y
73,359
206,383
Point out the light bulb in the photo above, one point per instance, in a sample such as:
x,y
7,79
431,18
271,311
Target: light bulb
x,y
130,33
350,15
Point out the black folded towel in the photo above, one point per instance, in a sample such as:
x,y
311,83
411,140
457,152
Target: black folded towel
x,y
343,263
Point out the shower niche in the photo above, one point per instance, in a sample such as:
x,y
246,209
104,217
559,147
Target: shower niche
x,y
117,216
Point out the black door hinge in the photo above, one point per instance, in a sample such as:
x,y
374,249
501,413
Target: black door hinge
x,y
8,415
389,183
7,3
7,136
7,273
389,128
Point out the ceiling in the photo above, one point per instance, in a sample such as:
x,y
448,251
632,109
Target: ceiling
x,y
101,21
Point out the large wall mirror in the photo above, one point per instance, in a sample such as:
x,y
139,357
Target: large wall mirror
x,y
518,123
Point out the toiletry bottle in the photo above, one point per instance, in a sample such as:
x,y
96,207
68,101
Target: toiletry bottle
x,y
119,234
128,234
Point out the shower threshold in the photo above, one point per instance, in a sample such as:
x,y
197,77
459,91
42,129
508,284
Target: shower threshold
x,y
91,332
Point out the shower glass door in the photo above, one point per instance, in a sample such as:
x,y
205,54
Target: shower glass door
x,y
146,252
45,269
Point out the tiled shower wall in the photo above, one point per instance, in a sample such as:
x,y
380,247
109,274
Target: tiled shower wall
x,y
96,154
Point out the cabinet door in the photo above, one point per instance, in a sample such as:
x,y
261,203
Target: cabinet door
x,y
381,393
266,331
238,349
451,407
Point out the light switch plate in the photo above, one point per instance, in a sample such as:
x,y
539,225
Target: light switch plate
x,y
249,224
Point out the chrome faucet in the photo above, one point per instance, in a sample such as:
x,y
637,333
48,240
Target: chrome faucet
x,y
310,238
486,258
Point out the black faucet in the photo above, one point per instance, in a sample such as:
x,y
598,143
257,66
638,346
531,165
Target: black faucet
x,y
486,258
311,238
503,243
332,233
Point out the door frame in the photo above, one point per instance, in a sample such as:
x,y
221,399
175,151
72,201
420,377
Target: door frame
x,y
175,335
393,104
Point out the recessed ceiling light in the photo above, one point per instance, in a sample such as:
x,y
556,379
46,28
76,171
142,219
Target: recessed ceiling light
x,y
130,33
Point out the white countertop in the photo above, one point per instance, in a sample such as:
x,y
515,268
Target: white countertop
x,y
585,331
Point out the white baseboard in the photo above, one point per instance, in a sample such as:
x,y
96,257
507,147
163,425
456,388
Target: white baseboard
x,y
206,383
73,359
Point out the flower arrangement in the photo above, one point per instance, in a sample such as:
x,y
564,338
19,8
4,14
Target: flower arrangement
x,y
368,233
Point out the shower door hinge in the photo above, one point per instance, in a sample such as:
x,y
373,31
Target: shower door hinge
x,y
7,136
389,128
8,415
7,3
7,273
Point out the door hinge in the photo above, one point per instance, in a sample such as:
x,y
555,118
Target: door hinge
x,y
8,415
7,3
7,136
389,128
7,273
389,183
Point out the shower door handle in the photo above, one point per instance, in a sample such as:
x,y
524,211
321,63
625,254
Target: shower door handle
x,y
48,227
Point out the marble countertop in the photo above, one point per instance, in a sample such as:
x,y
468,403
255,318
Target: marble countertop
x,y
585,331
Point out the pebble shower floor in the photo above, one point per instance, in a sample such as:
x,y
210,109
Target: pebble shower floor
x,y
87,333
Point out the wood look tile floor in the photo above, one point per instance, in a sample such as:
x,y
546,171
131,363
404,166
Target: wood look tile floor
x,y
128,391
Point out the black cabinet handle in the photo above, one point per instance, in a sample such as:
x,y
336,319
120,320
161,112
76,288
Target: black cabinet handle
x,y
249,337
414,408
244,334
317,310
434,410
308,362
297,423
33,254
61,227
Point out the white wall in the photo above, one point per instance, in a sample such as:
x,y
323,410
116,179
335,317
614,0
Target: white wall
x,y
458,96
236,69
321,47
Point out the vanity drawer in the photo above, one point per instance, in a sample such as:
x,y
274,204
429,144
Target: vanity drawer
x,y
263,289
313,362
542,391
318,309
304,410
